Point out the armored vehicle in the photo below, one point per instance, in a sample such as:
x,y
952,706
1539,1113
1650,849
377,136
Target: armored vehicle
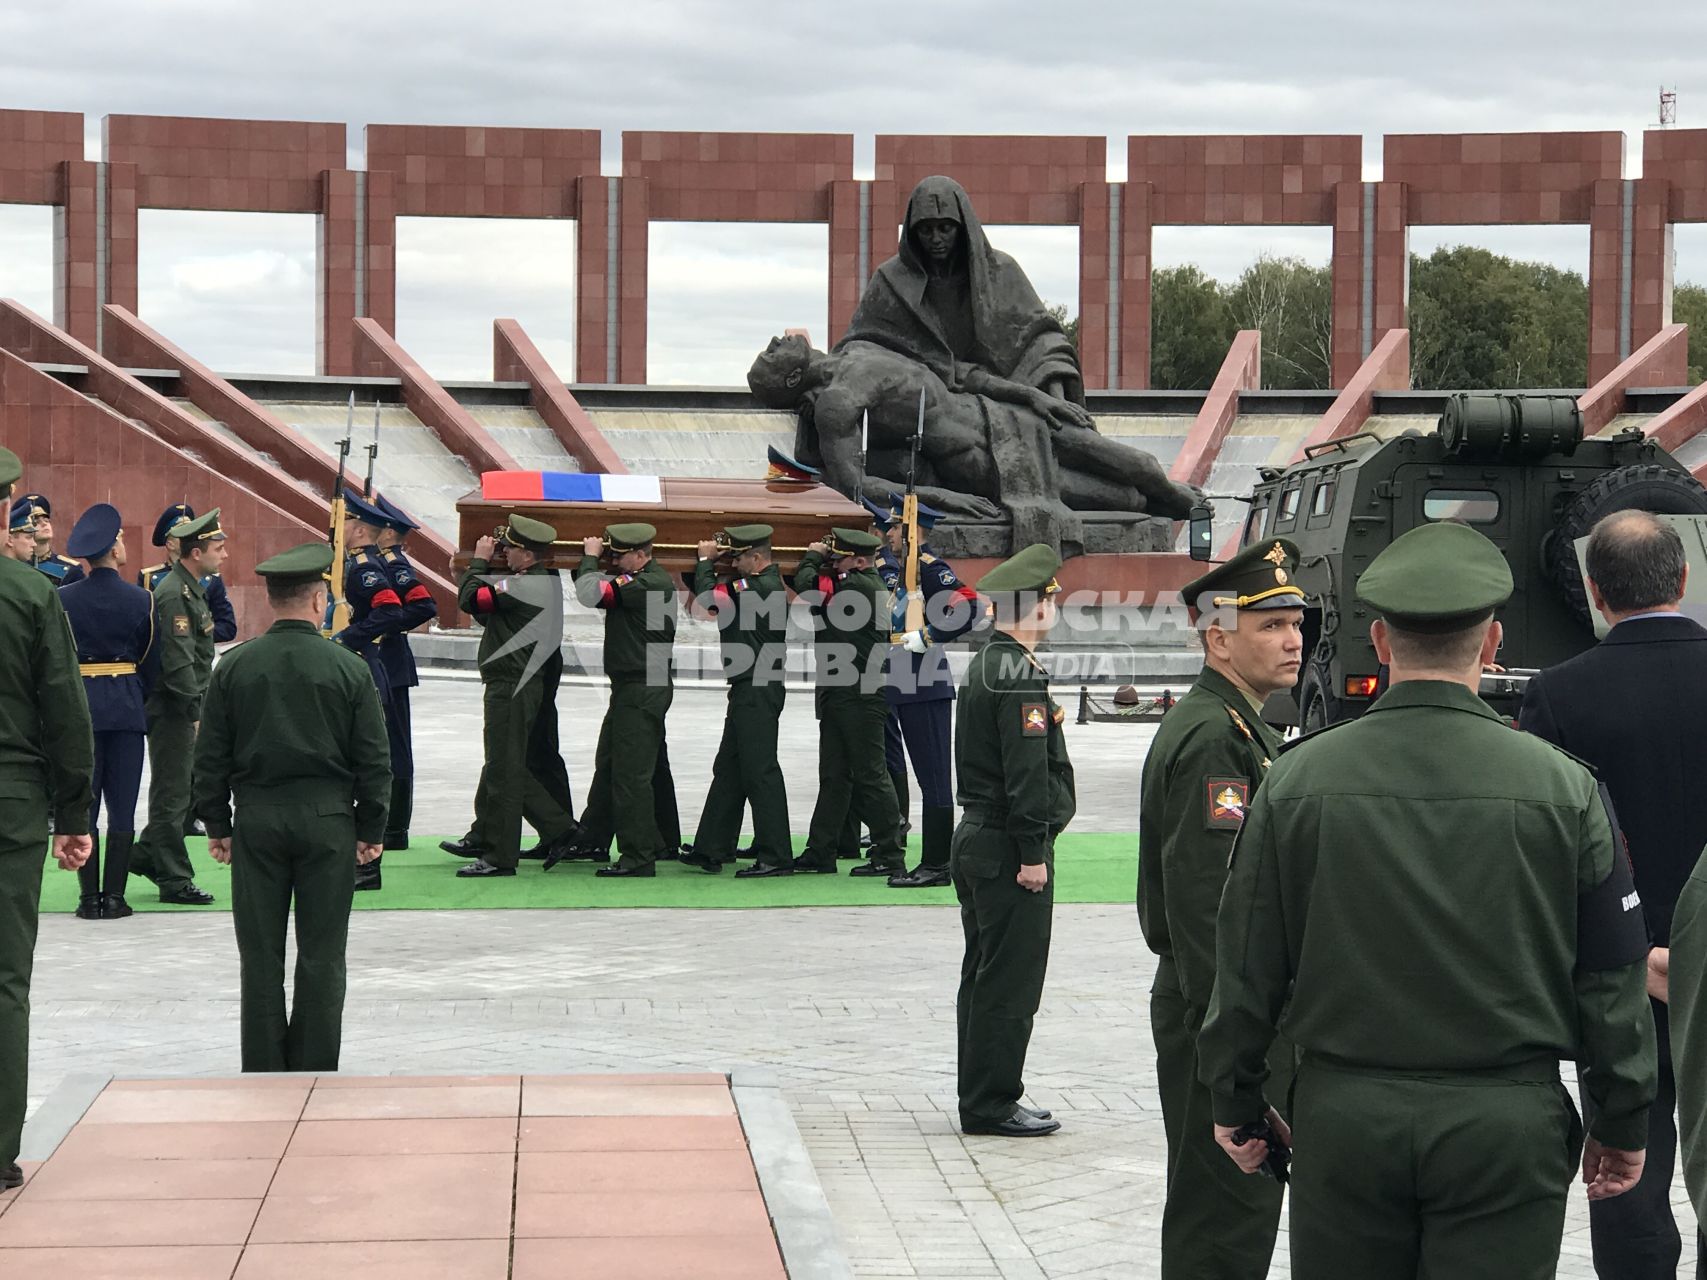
x,y
1515,467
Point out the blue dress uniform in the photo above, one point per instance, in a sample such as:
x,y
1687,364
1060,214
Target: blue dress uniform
x,y
417,609
218,598
59,569
113,624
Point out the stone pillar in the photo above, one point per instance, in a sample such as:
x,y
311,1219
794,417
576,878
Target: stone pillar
x,y
1371,271
77,280
1099,284
1135,246
610,279
116,275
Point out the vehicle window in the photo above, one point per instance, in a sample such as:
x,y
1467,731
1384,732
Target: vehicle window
x,y
1467,506
1286,515
1253,521
1322,500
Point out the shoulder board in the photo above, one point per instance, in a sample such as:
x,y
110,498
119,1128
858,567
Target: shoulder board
x,y
1573,759
390,553
1239,723
926,557
1302,738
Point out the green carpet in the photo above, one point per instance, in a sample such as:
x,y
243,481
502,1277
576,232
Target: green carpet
x,y
1089,868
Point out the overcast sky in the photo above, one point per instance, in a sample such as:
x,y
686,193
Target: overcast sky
x,y
239,289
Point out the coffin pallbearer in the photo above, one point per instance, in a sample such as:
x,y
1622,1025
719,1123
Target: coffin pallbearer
x,y
183,629
60,569
46,756
218,598
736,580
639,603
292,733
112,622
519,607
1443,910
1208,758
1016,797
416,611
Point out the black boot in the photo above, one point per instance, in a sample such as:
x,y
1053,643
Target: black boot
x,y
367,874
113,905
89,881
903,801
932,871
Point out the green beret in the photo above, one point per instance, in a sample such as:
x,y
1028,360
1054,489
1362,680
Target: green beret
x,y
10,467
530,534
744,537
851,542
628,537
204,528
1262,576
1437,578
298,566
1031,571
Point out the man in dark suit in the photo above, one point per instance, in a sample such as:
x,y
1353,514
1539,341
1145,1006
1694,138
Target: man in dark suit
x,y
1633,707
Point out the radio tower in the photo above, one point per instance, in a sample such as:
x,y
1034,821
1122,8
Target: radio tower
x,y
1668,107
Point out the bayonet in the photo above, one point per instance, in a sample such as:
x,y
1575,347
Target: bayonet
x,y
372,449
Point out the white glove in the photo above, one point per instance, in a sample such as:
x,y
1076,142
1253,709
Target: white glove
x,y
916,642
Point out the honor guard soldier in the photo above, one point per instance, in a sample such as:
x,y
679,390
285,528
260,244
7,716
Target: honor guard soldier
x,y
518,611
183,629
1443,911
639,604
920,687
417,610
46,757
218,598
292,733
1208,758
112,622
1016,796
59,569
21,533
736,581
851,609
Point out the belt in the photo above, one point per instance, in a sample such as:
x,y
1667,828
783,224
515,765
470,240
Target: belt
x,y
107,668
1534,1071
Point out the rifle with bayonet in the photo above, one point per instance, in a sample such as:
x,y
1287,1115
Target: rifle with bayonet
x,y
337,604
915,618
372,450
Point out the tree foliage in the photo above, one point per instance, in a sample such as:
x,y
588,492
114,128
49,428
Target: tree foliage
x,y
1689,306
1194,318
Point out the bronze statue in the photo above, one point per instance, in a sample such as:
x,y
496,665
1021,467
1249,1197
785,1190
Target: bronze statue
x,y
1006,429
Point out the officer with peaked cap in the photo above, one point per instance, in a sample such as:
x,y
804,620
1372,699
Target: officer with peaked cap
x,y
183,629
639,604
58,568
420,609
46,756
1443,910
519,607
21,533
112,622
218,598
851,609
292,733
738,583
1016,795
1208,758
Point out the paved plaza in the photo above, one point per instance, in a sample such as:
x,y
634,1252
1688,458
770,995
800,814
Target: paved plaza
x,y
852,1008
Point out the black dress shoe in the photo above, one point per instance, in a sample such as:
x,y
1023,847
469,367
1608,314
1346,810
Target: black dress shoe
x,y
481,867
564,851
619,870
1036,1113
11,1176
395,842
89,906
923,878
188,896
876,869
1021,1124
711,866
114,907
461,848
760,870
814,869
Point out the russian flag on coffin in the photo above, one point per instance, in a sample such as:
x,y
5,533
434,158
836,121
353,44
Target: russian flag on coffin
x,y
568,486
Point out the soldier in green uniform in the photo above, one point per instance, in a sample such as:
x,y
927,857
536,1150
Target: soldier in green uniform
x,y
1016,795
521,617
1208,757
851,606
183,628
1686,1003
47,753
1442,909
750,604
292,731
639,604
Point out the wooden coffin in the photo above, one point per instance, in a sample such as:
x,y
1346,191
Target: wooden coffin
x,y
693,508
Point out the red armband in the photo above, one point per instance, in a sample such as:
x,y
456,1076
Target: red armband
x,y
964,592
484,600
607,594
417,593
720,594
826,585
383,598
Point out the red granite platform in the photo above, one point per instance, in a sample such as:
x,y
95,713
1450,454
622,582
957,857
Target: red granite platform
x,y
397,1178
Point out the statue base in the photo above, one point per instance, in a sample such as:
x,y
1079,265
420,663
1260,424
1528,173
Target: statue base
x,y
1105,533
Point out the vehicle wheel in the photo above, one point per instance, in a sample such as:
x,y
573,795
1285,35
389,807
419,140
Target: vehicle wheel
x,y
1647,487
1317,709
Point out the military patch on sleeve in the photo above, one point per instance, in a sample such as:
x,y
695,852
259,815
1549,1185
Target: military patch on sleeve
x,y
740,584
181,625
1034,719
370,577
1224,803
623,580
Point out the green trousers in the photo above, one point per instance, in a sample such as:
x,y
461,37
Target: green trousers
x,y
1218,1223
1001,977
279,853
620,798
159,852
1457,1176
852,779
508,790
746,771
23,843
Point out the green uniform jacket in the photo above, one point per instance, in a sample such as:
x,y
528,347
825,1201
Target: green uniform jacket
x,y
752,620
293,718
853,636
1414,876
1687,1005
46,744
1209,755
1010,756
183,628
503,609
640,618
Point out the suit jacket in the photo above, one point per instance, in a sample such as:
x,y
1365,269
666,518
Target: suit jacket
x,y
1635,708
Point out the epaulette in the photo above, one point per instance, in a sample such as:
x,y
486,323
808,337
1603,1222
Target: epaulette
x,y
1302,738
926,557
1594,772
389,553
